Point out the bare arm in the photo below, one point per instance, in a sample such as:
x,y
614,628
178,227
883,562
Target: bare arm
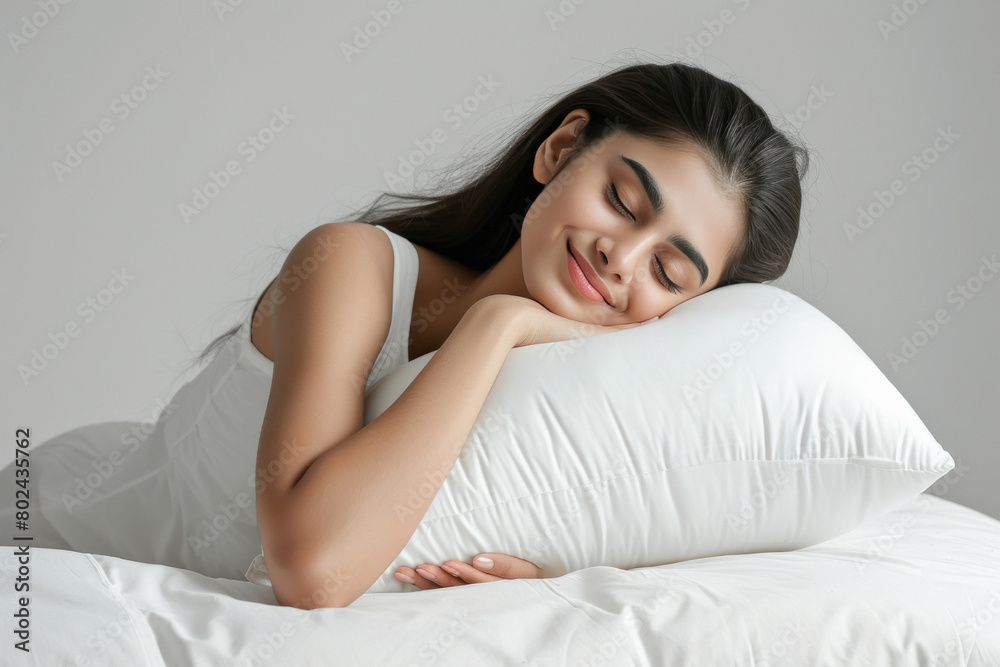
x,y
350,510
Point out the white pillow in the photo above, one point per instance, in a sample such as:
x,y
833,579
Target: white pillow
x,y
744,420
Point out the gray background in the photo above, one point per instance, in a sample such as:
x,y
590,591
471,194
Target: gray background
x,y
865,99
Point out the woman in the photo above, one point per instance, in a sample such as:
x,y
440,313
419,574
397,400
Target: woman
x,y
637,191
645,188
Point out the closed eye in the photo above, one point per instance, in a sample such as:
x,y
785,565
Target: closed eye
x,y
616,201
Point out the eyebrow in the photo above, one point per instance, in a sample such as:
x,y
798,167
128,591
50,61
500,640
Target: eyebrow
x,y
656,199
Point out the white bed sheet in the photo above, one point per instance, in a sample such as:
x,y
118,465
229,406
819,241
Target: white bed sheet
x,y
917,586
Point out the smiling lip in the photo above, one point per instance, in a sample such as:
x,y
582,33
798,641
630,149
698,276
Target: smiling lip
x,y
584,279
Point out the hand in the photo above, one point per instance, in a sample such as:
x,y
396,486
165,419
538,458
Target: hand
x,y
535,324
504,567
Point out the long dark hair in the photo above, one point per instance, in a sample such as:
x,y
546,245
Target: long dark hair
x,y
674,103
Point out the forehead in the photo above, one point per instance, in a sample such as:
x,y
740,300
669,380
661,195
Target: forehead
x,y
683,163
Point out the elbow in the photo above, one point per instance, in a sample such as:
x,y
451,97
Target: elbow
x,y
298,577
306,566
302,583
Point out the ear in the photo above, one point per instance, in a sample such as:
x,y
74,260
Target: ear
x,y
556,148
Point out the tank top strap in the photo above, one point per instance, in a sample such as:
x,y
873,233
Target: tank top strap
x,y
405,269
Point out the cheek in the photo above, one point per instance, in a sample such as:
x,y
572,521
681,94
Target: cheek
x,y
536,263
580,210
646,280
650,299
569,208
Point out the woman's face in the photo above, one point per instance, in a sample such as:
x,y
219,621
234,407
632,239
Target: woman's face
x,y
682,222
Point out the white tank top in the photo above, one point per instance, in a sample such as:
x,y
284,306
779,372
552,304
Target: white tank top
x,y
185,496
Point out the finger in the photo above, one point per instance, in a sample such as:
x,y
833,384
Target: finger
x,y
470,574
506,566
418,581
438,576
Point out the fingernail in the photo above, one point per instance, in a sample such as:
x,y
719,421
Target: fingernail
x,y
425,574
403,577
483,563
450,570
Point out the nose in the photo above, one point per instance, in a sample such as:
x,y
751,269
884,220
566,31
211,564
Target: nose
x,y
623,255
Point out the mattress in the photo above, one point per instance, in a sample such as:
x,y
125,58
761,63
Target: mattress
x,y
919,585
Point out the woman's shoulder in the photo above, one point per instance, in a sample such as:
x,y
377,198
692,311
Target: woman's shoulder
x,y
361,250
326,259
345,234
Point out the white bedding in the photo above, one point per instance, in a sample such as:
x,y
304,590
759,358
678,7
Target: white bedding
x,y
917,586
